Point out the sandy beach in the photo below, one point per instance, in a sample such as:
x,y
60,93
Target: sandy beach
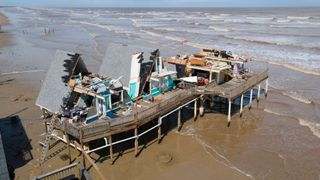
x,y
273,140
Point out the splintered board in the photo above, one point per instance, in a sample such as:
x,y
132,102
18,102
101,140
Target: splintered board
x,y
54,86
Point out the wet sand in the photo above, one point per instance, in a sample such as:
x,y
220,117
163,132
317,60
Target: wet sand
x,y
269,142
4,37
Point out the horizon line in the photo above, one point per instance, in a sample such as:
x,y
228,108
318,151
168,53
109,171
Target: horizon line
x,y
178,7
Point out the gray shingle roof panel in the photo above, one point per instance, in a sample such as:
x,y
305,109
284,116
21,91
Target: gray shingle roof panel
x,y
53,88
117,61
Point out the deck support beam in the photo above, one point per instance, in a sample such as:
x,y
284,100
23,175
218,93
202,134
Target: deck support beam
x,y
136,142
258,95
229,112
241,105
250,102
266,90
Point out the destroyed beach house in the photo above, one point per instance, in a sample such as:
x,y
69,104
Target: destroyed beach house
x,y
133,88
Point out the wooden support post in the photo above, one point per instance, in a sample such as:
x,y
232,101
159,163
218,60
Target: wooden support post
x,y
179,119
91,161
229,113
201,109
241,105
68,146
159,128
136,142
250,102
110,148
195,110
82,152
266,90
46,126
258,95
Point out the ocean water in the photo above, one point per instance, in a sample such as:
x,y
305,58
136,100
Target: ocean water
x,y
285,40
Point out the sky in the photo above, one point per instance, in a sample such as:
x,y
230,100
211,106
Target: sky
x,y
161,3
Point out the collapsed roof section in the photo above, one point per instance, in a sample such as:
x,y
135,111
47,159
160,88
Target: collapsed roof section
x,y
117,61
54,87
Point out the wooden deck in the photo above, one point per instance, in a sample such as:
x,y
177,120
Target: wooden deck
x,y
142,115
233,88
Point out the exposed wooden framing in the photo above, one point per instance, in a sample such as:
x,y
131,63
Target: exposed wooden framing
x,y
250,101
241,105
87,91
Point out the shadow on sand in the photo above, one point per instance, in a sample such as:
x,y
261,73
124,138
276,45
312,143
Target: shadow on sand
x,y
16,143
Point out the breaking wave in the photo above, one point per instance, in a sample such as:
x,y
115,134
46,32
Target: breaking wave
x,y
270,42
295,68
261,18
313,127
219,29
297,97
299,17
